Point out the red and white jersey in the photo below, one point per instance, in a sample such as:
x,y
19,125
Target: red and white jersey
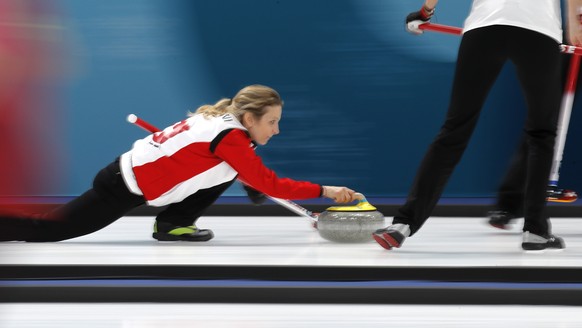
x,y
200,153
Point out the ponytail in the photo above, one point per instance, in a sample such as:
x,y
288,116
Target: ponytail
x,y
220,108
253,99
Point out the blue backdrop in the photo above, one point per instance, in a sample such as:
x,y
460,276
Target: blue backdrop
x,y
363,98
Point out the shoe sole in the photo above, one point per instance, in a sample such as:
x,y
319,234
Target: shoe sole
x,y
539,247
542,251
393,242
381,241
167,237
499,226
562,200
386,241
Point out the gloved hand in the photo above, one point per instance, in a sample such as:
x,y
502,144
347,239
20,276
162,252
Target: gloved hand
x,y
255,196
418,17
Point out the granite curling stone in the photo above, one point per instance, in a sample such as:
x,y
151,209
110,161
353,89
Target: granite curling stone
x,y
350,224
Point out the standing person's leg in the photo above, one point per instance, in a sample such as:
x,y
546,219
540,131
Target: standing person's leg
x,y
540,77
481,57
510,195
178,220
107,201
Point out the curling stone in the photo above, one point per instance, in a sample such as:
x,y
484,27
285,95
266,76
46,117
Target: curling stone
x,y
350,224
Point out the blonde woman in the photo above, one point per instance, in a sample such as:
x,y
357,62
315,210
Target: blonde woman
x,y
185,167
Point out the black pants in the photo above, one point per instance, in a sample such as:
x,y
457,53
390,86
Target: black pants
x,y
511,192
106,202
482,54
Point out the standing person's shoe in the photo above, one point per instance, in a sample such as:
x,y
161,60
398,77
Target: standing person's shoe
x,y
501,219
164,231
533,242
392,236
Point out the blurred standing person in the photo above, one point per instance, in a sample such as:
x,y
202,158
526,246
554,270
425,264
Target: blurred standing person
x,y
31,62
528,34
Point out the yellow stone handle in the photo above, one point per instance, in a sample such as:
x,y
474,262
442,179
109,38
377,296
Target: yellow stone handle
x,y
362,205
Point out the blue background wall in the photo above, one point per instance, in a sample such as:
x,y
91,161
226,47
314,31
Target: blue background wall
x,y
363,98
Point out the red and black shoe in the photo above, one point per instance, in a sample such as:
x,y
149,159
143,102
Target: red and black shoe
x,y
557,195
392,236
501,219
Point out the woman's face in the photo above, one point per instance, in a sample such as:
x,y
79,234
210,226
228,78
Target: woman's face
x,y
261,130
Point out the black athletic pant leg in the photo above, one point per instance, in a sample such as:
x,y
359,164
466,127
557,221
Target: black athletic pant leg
x,y
482,54
107,201
540,77
186,212
510,194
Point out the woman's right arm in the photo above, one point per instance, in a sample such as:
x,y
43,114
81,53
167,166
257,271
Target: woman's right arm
x,y
235,150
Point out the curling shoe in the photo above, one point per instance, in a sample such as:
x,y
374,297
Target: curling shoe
x,y
558,195
500,219
164,231
392,236
532,242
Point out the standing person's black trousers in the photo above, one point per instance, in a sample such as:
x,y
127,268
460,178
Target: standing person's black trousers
x,y
105,203
482,54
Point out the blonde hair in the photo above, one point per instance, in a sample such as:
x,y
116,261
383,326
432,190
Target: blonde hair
x,y
253,99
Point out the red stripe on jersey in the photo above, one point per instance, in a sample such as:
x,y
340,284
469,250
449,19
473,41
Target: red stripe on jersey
x,y
158,177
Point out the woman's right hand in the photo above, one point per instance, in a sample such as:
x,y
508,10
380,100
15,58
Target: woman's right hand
x,y
339,194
